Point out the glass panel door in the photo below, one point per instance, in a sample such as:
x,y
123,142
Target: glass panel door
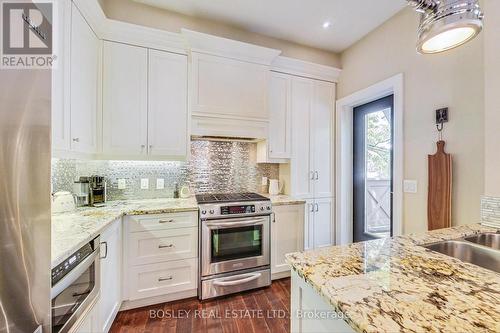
x,y
372,166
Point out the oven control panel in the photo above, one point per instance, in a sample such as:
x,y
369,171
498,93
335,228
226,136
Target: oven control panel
x,y
67,265
231,210
237,209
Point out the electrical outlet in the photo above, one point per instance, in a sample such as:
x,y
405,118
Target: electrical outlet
x,y
144,183
410,186
160,183
122,183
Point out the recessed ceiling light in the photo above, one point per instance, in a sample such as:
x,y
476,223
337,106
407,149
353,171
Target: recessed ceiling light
x,y
327,24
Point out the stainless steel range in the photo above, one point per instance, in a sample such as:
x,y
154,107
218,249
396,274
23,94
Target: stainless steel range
x,y
234,243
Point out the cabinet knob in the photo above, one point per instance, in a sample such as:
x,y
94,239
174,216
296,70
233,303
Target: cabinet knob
x,y
76,139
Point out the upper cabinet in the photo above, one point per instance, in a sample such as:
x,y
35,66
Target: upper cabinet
x,y
229,86
313,128
145,112
125,100
168,110
76,84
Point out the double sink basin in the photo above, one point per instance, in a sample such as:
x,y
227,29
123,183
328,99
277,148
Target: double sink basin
x,y
481,250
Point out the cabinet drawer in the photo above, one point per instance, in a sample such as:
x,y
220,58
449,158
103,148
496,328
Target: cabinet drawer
x,y
162,245
165,278
162,221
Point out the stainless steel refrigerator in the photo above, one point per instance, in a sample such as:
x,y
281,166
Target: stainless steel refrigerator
x,y
25,117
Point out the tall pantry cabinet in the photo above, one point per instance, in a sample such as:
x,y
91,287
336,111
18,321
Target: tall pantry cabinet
x,y
312,161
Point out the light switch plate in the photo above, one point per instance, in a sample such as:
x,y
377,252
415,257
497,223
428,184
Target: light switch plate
x,y
410,186
122,183
160,183
144,183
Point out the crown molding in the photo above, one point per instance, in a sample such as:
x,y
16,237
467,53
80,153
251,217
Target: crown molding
x,y
134,34
305,68
219,46
93,14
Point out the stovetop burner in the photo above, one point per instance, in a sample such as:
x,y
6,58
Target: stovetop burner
x,y
229,197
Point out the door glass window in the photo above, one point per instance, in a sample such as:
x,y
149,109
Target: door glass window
x,y
236,243
378,148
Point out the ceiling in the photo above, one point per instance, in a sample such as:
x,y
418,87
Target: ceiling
x,y
300,21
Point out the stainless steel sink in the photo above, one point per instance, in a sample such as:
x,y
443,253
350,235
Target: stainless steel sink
x,y
469,252
488,239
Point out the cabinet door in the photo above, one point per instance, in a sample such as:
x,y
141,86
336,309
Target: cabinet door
x,y
322,226
85,49
125,105
301,171
322,138
287,232
111,249
61,125
280,116
168,113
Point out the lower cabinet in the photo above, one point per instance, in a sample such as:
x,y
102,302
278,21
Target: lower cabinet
x,y
287,230
160,258
111,261
310,312
319,226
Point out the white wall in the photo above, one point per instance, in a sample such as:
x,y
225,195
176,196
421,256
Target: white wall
x,y
138,13
454,79
492,97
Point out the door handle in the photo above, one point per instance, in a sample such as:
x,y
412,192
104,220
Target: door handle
x,y
161,246
316,177
312,175
248,278
312,208
317,207
166,221
105,253
161,279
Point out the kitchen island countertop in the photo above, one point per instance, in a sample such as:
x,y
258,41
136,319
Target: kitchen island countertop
x,y
395,285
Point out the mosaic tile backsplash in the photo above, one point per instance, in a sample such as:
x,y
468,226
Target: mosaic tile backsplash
x,y
490,211
213,167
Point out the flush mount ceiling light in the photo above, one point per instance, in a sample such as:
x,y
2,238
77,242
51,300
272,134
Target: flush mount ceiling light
x,y
327,24
446,24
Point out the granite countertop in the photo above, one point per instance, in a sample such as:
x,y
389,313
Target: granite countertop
x,y
394,285
73,229
282,199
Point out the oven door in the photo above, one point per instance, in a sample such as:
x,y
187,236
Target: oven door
x,y
72,295
233,244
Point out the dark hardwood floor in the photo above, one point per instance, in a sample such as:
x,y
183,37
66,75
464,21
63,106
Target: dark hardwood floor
x,y
259,311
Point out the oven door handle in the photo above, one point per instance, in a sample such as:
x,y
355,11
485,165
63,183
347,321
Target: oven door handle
x,y
73,275
243,223
248,278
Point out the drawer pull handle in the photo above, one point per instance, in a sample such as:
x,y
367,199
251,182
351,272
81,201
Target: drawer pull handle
x,y
165,279
165,246
166,221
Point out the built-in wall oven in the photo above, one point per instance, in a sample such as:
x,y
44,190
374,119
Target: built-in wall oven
x,y
75,286
234,243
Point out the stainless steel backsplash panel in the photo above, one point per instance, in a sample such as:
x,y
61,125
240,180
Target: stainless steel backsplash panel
x,y
214,167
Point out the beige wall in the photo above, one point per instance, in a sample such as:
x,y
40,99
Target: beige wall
x,y
132,12
454,79
492,97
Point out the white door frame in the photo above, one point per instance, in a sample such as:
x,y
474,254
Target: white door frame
x,y
344,155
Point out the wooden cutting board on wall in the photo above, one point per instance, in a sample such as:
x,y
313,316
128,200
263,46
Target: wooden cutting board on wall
x,y
439,196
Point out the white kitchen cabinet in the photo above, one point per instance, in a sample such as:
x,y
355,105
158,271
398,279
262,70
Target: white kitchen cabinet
x,y
280,116
305,299
111,260
75,85
145,111
167,111
321,232
301,167
125,100
312,128
85,49
287,235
